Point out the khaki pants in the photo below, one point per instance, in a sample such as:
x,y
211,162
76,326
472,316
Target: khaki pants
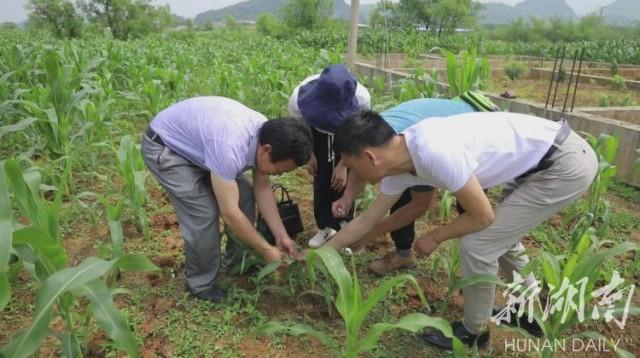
x,y
191,193
526,203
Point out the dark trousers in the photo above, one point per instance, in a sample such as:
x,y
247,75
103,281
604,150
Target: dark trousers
x,y
403,237
323,195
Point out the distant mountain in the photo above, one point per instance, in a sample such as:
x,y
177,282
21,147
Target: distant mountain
x,y
365,11
548,9
622,12
499,14
250,10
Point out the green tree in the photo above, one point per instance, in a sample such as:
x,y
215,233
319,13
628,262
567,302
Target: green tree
x,y
452,14
306,14
435,15
268,25
128,18
59,16
384,14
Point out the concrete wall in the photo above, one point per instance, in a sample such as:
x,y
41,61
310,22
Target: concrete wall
x,y
630,114
628,134
604,81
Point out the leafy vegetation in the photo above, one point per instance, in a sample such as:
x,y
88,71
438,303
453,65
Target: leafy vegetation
x,y
354,308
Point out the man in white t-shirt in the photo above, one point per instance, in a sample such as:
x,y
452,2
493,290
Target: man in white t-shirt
x,y
543,165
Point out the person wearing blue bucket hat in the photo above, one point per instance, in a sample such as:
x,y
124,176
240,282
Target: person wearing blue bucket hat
x,y
324,100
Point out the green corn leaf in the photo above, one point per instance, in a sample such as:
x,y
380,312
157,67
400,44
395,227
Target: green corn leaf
x,y
380,292
70,345
135,263
21,191
335,266
452,69
46,251
5,290
6,224
268,269
109,317
413,322
587,267
578,252
16,127
27,342
550,268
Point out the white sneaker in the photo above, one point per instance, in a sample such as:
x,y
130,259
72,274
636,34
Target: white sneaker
x,y
321,237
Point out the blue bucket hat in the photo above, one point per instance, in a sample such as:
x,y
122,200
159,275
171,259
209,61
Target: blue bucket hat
x,y
326,101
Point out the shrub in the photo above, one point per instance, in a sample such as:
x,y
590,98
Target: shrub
x,y
618,83
604,101
514,70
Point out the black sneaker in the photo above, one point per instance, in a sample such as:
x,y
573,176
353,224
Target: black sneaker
x,y
438,339
213,294
523,322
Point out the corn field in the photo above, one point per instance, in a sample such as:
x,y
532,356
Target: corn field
x,y
90,255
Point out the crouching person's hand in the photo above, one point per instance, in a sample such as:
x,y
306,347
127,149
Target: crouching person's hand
x,y
272,254
425,245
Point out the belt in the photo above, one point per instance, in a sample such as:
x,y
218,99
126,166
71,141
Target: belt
x,y
546,162
154,136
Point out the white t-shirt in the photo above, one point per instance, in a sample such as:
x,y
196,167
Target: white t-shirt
x,y
495,146
362,95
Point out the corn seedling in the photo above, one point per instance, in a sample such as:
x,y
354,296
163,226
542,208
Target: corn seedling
x,y
447,199
58,295
571,281
6,238
452,265
42,254
468,74
131,169
114,214
354,308
25,187
595,210
367,197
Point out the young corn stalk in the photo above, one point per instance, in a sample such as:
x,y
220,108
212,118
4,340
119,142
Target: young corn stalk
x,y
595,210
54,107
114,214
354,309
581,269
447,199
45,259
470,74
131,169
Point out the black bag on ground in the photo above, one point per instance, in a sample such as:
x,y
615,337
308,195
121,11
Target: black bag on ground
x,y
289,212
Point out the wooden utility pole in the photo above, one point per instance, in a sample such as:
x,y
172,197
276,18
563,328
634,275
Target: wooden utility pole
x,y
352,41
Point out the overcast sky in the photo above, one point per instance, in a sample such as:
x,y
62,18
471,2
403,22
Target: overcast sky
x,y
13,10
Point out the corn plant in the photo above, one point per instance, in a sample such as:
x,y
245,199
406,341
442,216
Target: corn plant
x,y
42,214
366,199
447,199
470,74
419,85
131,169
6,236
582,269
58,296
114,214
595,210
42,254
355,309
452,266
